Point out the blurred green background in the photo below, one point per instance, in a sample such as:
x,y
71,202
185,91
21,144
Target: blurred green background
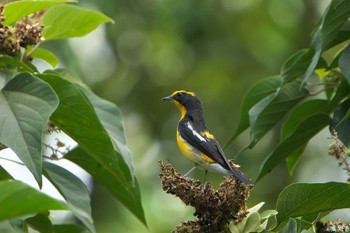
x,y
217,48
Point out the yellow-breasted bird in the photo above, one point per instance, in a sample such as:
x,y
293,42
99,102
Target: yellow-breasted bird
x,y
194,139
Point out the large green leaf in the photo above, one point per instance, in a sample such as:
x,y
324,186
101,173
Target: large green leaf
x,y
331,27
12,65
290,227
267,113
64,21
72,228
303,111
6,227
293,159
317,55
302,199
341,122
112,120
108,113
45,55
295,118
26,104
77,117
129,196
73,190
344,63
342,92
4,175
259,91
40,222
329,32
296,65
18,199
67,75
302,134
17,10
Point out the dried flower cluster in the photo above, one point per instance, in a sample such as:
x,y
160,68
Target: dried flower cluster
x,y
340,152
26,32
52,128
59,149
333,227
213,208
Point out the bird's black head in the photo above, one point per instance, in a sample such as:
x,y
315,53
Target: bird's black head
x,y
185,100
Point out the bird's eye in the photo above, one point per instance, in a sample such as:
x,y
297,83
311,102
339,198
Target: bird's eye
x,y
179,94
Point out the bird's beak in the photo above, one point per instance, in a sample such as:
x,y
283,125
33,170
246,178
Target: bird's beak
x,y
168,98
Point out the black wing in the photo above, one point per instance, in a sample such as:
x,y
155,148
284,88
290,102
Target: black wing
x,y
208,146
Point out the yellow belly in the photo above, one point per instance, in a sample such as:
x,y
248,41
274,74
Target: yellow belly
x,y
202,160
192,154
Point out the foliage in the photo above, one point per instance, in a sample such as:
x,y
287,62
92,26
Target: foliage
x,y
35,103
296,103
301,104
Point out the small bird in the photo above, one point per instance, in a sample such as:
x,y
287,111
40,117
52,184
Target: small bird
x,y
194,139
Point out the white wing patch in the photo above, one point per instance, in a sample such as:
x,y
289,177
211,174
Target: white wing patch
x,y
200,137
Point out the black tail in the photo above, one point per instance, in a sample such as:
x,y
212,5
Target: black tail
x,y
241,177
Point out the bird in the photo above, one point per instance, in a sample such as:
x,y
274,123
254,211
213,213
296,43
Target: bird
x,y
194,139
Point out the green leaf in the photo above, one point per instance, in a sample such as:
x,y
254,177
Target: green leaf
x,y
26,104
317,55
331,26
112,120
342,92
302,134
17,10
329,32
296,65
344,63
65,21
73,190
40,223
252,223
267,113
11,64
45,55
293,159
77,117
346,26
6,227
290,227
17,224
256,208
302,199
259,91
4,175
67,75
341,122
69,229
18,199
311,218
268,213
130,197
302,111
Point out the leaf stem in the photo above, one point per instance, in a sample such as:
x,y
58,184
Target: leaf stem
x,y
11,160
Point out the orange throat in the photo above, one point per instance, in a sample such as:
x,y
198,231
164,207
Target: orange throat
x,y
181,108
